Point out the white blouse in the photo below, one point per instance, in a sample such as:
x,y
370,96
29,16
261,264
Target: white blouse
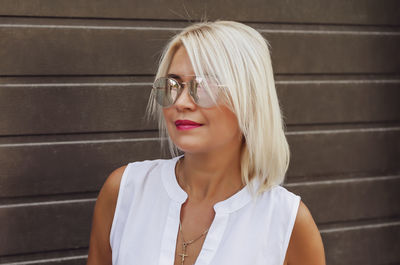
x,y
245,230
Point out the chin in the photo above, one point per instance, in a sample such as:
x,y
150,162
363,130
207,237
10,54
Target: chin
x,y
191,148
191,145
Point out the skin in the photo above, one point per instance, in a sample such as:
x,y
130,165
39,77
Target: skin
x,y
206,174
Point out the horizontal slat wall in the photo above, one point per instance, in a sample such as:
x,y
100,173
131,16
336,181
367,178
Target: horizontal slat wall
x,y
108,106
60,219
350,200
294,11
340,242
364,244
74,82
341,147
69,49
318,153
45,167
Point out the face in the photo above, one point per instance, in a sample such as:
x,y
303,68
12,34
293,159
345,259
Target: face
x,y
195,129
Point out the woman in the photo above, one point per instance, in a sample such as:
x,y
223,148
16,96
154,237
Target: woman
x,y
219,203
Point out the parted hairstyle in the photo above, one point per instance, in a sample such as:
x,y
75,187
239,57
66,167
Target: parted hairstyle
x,y
238,57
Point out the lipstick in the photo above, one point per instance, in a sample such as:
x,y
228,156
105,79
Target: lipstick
x,y
186,125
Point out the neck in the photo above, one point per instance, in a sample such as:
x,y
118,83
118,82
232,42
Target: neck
x,y
212,176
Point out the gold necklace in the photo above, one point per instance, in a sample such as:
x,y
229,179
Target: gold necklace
x,y
187,243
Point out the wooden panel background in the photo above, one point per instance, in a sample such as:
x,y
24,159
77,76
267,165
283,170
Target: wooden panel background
x,y
74,82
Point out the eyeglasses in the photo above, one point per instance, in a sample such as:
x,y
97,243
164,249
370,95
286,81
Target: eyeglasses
x,y
203,90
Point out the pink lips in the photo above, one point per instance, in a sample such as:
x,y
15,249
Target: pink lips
x,y
186,125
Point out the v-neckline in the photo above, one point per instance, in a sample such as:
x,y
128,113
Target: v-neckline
x,y
213,237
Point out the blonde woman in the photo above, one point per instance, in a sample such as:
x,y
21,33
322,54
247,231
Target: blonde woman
x,y
220,203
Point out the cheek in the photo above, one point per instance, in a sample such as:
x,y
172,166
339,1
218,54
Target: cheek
x,y
167,118
168,114
165,112
225,123
229,127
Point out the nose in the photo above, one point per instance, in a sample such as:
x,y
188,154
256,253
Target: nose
x,y
185,101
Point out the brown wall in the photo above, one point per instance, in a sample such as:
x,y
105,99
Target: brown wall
x,y
75,76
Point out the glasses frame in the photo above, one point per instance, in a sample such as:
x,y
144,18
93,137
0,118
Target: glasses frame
x,y
192,89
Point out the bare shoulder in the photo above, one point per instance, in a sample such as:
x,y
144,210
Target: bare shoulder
x,y
110,188
108,195
305,246
99,248
107,199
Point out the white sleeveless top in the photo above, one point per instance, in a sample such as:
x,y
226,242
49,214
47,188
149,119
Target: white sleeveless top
x,y
245,231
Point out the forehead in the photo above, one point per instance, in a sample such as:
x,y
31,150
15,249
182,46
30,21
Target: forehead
x,y
181,64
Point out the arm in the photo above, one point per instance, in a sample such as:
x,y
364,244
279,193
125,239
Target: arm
x,y
305,245
100,249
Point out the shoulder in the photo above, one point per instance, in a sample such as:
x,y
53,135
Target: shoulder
x,y
305,245
282,200
127,179
132,175
108,196
113,181
110,189
107,200
282,192
99,250
134,172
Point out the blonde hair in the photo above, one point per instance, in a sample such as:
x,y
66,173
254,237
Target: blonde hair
x,y
239,57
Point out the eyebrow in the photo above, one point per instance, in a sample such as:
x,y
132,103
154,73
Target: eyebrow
x,y
177,76
174,76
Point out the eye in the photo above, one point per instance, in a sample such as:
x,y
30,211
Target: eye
x,y
172,84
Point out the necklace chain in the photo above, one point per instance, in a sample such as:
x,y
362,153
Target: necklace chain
x,y
187,243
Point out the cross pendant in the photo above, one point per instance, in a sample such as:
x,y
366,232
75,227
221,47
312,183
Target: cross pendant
x,y
183,255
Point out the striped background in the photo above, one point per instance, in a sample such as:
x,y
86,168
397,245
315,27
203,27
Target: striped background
x,y
74,82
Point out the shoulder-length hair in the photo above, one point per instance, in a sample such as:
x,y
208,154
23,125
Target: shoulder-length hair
x,y
238,56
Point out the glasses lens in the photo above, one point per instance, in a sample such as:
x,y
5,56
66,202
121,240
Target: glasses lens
x,y
206,91
166,91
